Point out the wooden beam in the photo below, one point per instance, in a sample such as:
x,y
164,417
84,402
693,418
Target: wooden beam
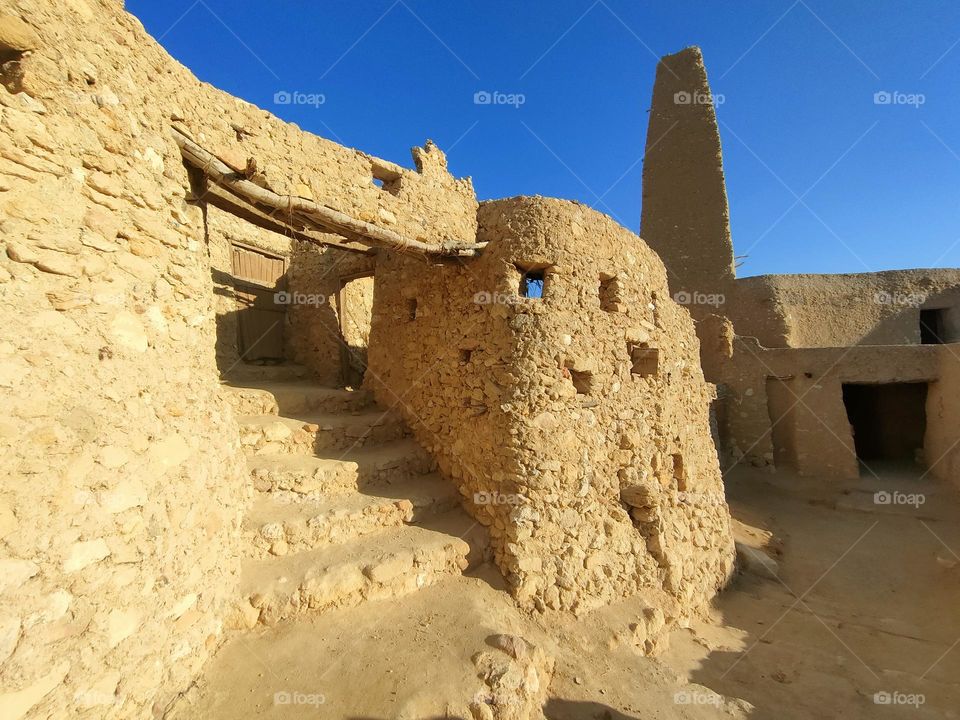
x,y
228,202
308,212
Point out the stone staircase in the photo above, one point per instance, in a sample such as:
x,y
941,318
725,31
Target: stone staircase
x,y
348,506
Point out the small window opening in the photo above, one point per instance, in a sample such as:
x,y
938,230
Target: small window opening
x,y
931,326
645,360
411,309
531,283
611,295
386,179
582,381
465,355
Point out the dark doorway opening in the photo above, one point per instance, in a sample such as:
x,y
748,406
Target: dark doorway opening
x,y
888,420
932,326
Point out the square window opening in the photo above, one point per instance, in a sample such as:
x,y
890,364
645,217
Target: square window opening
x,y
582,381
532,282
611,294
465,355
645,360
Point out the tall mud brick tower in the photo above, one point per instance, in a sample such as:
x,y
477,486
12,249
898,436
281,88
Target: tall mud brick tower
x,y
685,216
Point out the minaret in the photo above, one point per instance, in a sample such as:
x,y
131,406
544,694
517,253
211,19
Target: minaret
x,y
685,216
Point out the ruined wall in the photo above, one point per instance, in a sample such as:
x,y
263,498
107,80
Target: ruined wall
x,y
685,217
121,484
880,308
575,425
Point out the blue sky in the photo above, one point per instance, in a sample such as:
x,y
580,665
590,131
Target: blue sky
x,y
821,178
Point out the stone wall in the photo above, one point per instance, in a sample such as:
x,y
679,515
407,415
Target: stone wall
x,y
122,486
575,425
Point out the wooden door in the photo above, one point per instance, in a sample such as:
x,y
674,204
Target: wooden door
x,y
261,315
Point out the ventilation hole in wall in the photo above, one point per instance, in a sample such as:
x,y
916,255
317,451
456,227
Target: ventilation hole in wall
x,y
582,381
645,360
386,179
611,294
808,375
465,355
411,308
532,281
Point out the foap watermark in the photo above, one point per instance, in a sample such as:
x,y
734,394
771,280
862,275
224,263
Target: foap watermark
x,y
495,498
885,697
693,697
895,97
295,298
697,97
899,298
495,97
295,97
288,697
684,297
899,498
496,298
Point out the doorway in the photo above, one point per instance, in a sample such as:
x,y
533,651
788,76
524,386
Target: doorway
x,y
259,287
355,312
887,420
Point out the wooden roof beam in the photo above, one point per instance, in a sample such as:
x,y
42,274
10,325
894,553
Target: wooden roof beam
x,y
307,211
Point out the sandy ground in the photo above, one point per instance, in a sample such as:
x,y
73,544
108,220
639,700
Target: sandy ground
x,y
865,601
862,599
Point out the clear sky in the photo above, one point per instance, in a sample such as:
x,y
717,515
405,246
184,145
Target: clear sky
x,y
821,177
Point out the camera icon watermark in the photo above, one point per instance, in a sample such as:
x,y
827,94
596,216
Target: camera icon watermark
x,y
899,298
288,697
896,697
684,297
295,97
692,697
495,97
684,97
495,498
495,298
899,498
296,298
895,97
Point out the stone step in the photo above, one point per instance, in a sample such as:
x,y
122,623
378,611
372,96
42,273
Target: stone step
x,y
457,523
283,522
317,433
389,563
243,373
343,472
293,398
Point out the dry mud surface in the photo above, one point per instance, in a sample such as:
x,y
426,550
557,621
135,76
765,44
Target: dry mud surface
x,y
842,607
